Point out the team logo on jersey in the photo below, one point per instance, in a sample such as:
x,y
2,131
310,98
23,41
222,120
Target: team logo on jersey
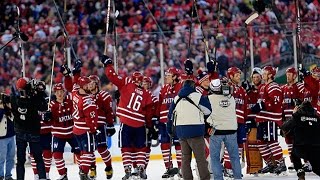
x,y
65,118
224,103
92,114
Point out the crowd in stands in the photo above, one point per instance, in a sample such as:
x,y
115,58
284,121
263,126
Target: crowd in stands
x,y
139,35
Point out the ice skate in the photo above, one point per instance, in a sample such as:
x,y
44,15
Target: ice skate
x,y
268,169
307,167
228,173
281,168
170,173
291,168
127,171
83,176
142,172
93,172
63,177
109,172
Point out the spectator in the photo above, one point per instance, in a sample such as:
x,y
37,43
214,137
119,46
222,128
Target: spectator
x,y
7,142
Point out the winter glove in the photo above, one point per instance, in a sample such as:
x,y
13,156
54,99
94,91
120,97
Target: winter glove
x,y
65,70
250,123
304,71
246,85
188,66
212,66
77,67
153,133
258,107
110,130
46,116
106,60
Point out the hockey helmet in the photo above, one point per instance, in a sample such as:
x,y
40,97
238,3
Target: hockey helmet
x,y
94,78
82,81
58,86
137,77
173,71
256,70
292,70
232,71
271,70
22,83
148,80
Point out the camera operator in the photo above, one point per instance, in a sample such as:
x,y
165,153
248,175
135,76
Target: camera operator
x,y
223,120
26,104
305,125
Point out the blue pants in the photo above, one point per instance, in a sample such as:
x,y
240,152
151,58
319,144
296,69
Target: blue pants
x,y
132,137
86,142
164,136
7,153
23,139
58,144
267,131
231,144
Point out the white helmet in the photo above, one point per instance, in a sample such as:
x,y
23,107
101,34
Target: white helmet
x,y
256,70
215,85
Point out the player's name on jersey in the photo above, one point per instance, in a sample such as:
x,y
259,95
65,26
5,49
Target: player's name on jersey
x,y
65,118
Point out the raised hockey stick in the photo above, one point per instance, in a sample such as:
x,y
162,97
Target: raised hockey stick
x,y
107,28
65,30
298,42
190,30
52,67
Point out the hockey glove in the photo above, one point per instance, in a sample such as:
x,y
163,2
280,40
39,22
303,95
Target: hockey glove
x,y
258,107
153,133
117,95
106,60
65,70
212,66
188,66
46,116
246,85
77,67
250,123
110,130
304,72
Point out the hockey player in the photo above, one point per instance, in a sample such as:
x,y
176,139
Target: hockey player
x,y
60,115
135,117
105,125
254,161
166,96
292,91
240,96
85,118
269,117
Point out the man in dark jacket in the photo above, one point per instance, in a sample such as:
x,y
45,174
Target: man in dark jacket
x,y
26,106
305,125
188,113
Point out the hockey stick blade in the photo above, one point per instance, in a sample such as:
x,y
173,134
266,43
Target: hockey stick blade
x,y
251,18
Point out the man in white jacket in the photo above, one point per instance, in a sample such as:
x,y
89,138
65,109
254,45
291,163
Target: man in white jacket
x,y
223,119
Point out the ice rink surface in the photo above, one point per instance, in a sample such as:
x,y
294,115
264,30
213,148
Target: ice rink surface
x,y
154,172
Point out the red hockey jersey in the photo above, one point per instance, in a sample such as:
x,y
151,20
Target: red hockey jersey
x,y
253,96
45,127
272,96
240,97
291,92
166,96
62,122
135,102
85,115
103,101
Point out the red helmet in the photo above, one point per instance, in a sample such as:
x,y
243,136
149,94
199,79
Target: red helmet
x,y
147,80
271,70
232,71
137,76
22,83
94,78
173,71
58,86
82,81
292,70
